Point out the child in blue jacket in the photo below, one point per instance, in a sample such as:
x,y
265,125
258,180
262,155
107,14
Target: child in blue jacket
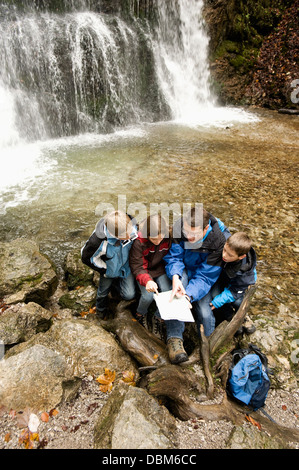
x,y
194,265
238,273
107,252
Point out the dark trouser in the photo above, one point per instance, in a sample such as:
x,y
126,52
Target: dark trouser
x,y
125,286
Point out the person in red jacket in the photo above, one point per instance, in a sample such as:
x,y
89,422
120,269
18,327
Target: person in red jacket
x,y
147,266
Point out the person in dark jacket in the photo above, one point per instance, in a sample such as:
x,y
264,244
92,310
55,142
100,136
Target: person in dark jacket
x,y
238,273
194,265
107,252
148,267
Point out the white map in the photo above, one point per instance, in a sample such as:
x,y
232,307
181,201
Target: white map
x,y
177,309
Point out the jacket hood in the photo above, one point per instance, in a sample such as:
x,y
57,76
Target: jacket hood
x,y
245,265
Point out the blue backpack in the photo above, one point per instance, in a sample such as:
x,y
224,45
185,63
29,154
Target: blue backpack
x,y
248,381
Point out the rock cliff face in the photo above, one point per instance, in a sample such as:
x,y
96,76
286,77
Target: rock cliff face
x,y
254,51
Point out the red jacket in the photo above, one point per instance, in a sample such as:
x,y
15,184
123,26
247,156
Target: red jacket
x,y
146,259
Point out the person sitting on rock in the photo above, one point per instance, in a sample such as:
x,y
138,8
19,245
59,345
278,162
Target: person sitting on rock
x,y
146,262
107,251
194,265
239,272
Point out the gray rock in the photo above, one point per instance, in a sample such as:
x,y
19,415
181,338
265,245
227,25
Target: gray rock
x,y
77,273
249,437
132,419
47,369
87,347
20,322
79,300
34,378
25,274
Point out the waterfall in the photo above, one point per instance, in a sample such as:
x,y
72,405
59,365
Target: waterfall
x,y
182,57
83,69
75,72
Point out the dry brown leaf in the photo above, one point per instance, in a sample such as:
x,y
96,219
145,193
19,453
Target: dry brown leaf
x,y
128,378
106,380
27,438
44,417
23,418
253,421
7,437
83,314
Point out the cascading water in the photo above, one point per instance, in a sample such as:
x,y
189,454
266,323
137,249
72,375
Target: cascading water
x,y
181,54
72,73
182,58
86,71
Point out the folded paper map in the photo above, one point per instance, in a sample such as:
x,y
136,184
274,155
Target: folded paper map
x,y
177,309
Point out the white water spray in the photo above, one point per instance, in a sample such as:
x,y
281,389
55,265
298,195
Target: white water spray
x,y
181,52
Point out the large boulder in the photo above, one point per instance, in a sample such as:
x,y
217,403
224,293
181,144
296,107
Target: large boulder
x,y
34,378
25,274
132,419
77,273
20,322
87,347
47,369
249,437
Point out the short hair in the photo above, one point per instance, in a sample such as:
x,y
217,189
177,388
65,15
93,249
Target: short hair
x,y
153,226
197,217
239,242
118,224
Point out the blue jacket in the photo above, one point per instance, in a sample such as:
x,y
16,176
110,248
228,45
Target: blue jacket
x,y
202,260
236,277
106,254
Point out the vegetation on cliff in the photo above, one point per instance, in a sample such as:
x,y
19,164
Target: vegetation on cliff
x,y
254,50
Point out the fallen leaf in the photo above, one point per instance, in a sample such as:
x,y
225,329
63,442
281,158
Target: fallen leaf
x,y
44,417
91,408
284,407
53,412
42,444
27,438
83,314
156,356
23,418
33,423
128,378
106,380
253,421
7,437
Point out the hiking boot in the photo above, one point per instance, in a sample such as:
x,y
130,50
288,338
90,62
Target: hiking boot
x,y
157,327
248,326
239,331
142,319
176,351
101,314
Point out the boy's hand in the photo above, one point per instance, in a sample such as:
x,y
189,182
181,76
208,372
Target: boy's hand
x,y
151,286
212,306
177,288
